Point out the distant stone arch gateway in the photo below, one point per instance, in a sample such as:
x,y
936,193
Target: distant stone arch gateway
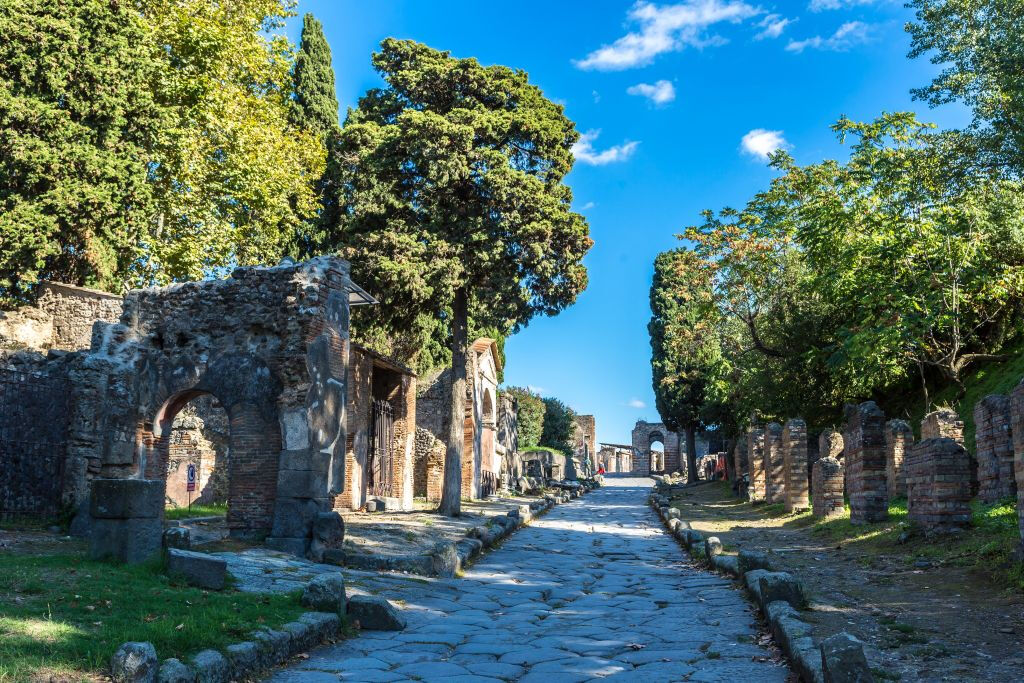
x,y
646,461
271,346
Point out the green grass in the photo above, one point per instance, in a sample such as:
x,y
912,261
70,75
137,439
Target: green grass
x,y
63,616
214,510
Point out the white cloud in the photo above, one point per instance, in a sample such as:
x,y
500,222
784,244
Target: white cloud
x,y
772,26
822,5
761,143
666,29
588,205
636,403
584,150
536,390
661,92
846,36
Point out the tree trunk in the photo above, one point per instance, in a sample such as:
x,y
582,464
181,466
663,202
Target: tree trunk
x,y
451,492
691,454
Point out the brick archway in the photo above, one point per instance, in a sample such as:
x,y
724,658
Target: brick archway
x,y
644,435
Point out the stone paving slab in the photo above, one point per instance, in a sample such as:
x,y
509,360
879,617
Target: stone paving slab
x,y
594,590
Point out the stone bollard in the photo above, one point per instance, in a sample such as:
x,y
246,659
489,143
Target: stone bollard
x,y
794,458
843,660
864,439
134,663
712,547
127,519
899,439
827,474
939,485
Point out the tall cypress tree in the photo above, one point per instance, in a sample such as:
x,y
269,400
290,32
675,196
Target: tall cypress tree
x,y
316,110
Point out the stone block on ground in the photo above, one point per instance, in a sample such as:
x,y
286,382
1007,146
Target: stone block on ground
x,y
324,624
328,534
127,499
131,541
325,593
712,547
273,645
178,537
752,579
444,560
134,662
752,559
782,586
198,569
843,660
175,671
244,659
375,613
211,667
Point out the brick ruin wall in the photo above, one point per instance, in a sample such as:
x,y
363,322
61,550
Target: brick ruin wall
x,y
864,441
756,464
994,449
794,459
899,438
774,465
827,487
939,485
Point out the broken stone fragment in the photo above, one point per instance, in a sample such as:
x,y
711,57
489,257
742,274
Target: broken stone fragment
x,y
374,613
134,663
198,569
325,593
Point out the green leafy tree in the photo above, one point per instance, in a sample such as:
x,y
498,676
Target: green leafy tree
x,y
559,425
231,171
979,43
78,122
455,206
685,356
530,417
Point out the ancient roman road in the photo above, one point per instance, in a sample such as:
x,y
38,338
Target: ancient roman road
x,y
593,590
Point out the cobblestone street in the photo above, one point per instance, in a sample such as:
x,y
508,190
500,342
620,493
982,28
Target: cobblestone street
x,y
593,590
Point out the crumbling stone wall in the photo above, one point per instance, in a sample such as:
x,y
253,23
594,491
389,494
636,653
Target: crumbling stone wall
x,y
586,444
899,439
939,485
756,463
774,464
994,446
271,345
942,423
864,439
794,456
62,318
827,484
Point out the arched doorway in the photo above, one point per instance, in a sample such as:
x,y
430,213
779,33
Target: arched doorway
x,y
656,451
199,437
488,467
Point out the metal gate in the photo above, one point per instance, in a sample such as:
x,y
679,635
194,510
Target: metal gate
x,y
380,469
34,414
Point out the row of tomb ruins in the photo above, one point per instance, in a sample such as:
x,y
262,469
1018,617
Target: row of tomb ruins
x,y
252,385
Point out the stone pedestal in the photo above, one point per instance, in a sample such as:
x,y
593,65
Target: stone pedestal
x,y
864,439
939,485
827,482
127,519
794,458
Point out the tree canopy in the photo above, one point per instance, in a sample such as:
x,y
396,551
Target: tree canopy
x,y
559,426
530,417
454,206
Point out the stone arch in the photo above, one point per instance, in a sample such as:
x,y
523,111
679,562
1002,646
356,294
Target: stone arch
x,y
488,407
644,435
247,390
656,458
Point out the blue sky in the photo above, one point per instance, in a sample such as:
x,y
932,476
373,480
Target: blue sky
x,y
678,103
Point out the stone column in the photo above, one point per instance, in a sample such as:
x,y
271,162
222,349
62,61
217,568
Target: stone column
x,y
939,485
1017,431
994,448
899,439
827,475
775,471
756,464
864,438
794,455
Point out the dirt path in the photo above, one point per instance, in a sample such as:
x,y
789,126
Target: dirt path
x,y
920,622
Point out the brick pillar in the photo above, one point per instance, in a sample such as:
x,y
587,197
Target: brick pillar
x,y
1017,431
939,485
794,457
755,463
774,467
827,475
899,439
864,439
994,446
830,445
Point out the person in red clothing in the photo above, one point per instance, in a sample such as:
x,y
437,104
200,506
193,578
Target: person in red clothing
x,y
600,469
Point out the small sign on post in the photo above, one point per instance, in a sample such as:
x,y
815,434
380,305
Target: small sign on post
x,y
190,482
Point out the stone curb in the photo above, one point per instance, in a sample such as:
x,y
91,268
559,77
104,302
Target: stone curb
x,y
792,634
